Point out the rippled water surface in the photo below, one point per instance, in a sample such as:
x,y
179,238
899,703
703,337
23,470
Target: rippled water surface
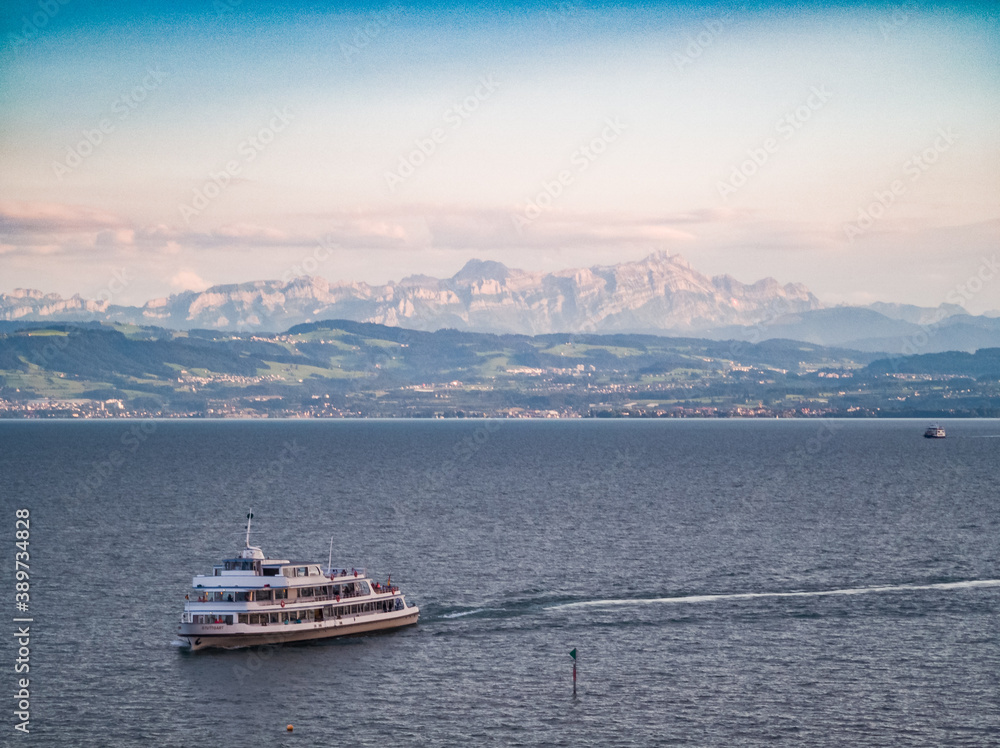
x,y
724,582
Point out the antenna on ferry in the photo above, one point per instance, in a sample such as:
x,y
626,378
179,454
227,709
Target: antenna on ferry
x,y
329,564
249,517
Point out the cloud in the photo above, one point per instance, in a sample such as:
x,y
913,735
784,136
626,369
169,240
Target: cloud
x,y
52,218
28,229
188,280
251,232
37,228
437,227
115,238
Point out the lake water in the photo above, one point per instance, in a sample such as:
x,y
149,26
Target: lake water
x,y
663,551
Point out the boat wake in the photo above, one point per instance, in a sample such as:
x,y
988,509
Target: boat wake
x,y
463,613
754,595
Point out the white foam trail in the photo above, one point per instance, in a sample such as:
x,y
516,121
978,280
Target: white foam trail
x,y
752,595
463,613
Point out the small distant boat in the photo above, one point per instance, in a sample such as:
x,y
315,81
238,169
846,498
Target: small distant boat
x,y
934,432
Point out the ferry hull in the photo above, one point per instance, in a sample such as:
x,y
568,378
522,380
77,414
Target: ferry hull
x,y
284,635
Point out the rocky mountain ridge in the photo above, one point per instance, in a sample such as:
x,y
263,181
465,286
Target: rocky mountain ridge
x,y
661,293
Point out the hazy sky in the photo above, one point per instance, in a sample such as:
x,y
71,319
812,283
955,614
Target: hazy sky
x,y
855,149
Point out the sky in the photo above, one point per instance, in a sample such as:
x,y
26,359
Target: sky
x,y
163,147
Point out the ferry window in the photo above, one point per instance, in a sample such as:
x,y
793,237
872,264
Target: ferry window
x,y
270,571
306,592
364,588
274,618
336,589
301,571
281,594
263,594
242,597
244,618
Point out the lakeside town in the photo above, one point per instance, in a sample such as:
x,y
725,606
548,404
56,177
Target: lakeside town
x,y
341,369
549,395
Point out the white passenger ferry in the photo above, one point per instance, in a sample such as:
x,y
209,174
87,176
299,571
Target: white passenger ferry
x,y
251,600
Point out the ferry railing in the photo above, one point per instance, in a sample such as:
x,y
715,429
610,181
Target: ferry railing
x,y
287,601
345,574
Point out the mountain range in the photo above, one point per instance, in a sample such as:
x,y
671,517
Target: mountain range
x,y
660,294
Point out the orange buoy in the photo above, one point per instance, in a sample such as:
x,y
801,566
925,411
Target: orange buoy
x,y
289,728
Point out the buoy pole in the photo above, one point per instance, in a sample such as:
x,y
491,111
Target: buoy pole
x,y
573,655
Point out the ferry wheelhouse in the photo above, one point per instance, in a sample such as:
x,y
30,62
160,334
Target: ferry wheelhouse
x,y
251,600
